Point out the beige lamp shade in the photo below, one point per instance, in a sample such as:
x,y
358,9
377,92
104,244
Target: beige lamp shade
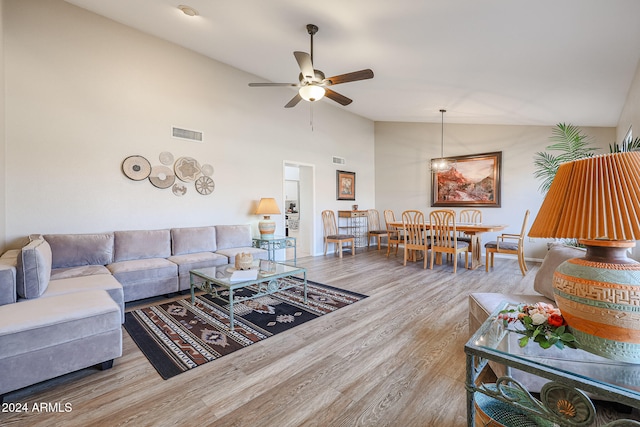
x,y
593,198
268,206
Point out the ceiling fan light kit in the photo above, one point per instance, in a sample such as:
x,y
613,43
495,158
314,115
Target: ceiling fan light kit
x,y
312,84
311,92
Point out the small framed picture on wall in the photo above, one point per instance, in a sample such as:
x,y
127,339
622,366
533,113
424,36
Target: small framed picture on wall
x,y
345,185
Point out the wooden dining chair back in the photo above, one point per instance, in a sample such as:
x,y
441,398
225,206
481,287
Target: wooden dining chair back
x,y
469,216
375,230
394,234
508,244
413,229
444,238
331,234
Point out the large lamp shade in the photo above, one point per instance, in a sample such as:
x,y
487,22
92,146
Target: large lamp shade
x,y
597,201
267,207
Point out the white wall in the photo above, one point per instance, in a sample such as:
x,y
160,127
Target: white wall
x,y
84,92
3,224
403,180
630,117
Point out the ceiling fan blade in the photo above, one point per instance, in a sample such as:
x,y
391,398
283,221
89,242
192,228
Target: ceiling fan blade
x,y
294,101
340,99
305,64
272,84
349,77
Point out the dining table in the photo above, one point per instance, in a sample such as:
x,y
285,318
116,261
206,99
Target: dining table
x,y
473,230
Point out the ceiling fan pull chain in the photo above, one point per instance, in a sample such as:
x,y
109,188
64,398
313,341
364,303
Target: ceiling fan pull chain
x,y
311,116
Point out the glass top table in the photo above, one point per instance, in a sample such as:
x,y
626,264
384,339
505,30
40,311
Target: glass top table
x,y
268,277
563,374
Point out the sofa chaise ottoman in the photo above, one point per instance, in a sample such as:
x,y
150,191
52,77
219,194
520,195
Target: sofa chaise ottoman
x,y
76,331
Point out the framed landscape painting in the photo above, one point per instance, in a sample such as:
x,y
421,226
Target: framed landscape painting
x,y
473,181
345,185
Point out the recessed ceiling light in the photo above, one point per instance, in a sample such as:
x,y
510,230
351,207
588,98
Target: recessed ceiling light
x,y
187,10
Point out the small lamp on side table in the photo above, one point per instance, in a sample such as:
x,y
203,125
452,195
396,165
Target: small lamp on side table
x,y
267,207
597,201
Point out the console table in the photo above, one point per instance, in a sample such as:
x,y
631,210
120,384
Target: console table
x,y
570,378
277,243
356,224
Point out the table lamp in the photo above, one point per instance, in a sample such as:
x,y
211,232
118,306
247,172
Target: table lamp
x,y
597,201
267,207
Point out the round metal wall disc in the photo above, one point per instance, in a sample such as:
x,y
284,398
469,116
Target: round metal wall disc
x,y
136,168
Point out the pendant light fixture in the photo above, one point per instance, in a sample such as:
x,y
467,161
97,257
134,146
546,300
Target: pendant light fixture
x,y
441,164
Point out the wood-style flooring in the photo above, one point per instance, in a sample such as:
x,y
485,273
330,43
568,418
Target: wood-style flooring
x,y
394,359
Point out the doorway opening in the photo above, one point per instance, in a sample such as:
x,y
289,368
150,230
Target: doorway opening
x,y
299,208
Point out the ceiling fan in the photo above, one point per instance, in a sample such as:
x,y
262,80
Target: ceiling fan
x,y
312,83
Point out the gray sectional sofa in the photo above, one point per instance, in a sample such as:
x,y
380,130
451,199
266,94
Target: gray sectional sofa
x,y
62,295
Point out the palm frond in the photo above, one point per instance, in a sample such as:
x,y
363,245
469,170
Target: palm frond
x,y
572,145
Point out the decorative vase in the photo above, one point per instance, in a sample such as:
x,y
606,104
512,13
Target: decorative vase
x,y
244,261
601,302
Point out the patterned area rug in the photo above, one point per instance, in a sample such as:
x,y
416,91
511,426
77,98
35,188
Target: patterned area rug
x,y
178,336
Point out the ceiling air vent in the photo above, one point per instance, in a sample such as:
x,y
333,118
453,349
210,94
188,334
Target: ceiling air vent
x,y
339,160
189,135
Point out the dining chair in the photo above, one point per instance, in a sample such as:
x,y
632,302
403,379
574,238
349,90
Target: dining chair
x,y
508,244
394,234
373,221
471,216
331,234
414,240
444,238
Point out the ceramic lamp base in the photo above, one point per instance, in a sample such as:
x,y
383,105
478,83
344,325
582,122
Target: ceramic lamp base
x,y
267,228
600,301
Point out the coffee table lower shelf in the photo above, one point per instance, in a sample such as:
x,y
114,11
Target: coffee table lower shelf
x,y
214,280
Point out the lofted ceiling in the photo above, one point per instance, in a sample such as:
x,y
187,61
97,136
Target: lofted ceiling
x,y
487,62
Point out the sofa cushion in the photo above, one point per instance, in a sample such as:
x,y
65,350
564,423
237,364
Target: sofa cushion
x,y
557,254
81,271
255,253
233,236
199,260
141,244
8,262
142,270
73,285
34,269
73,250
49,321
193,240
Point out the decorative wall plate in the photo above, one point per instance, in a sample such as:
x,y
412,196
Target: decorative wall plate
x,y
207,170
162,177
166,158
187,169
136,168
179,189
205,185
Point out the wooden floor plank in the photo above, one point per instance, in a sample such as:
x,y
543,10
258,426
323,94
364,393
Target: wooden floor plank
x,y
395,358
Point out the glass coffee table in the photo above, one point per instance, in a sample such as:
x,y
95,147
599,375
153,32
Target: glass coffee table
x,y
269,277
567,379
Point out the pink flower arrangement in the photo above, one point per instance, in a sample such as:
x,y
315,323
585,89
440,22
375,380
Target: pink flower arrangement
x,y
543,323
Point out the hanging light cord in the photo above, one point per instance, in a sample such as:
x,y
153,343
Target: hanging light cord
x,y
442,134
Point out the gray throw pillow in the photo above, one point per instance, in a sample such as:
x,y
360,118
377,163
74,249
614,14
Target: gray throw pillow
x,y
34,269
558,253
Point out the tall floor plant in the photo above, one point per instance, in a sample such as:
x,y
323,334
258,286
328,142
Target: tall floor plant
x,y
570,143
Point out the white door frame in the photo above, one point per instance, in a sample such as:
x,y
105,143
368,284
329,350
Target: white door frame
x,y
310,210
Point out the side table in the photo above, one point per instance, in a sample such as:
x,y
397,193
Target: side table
x,y
277,243
570,375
